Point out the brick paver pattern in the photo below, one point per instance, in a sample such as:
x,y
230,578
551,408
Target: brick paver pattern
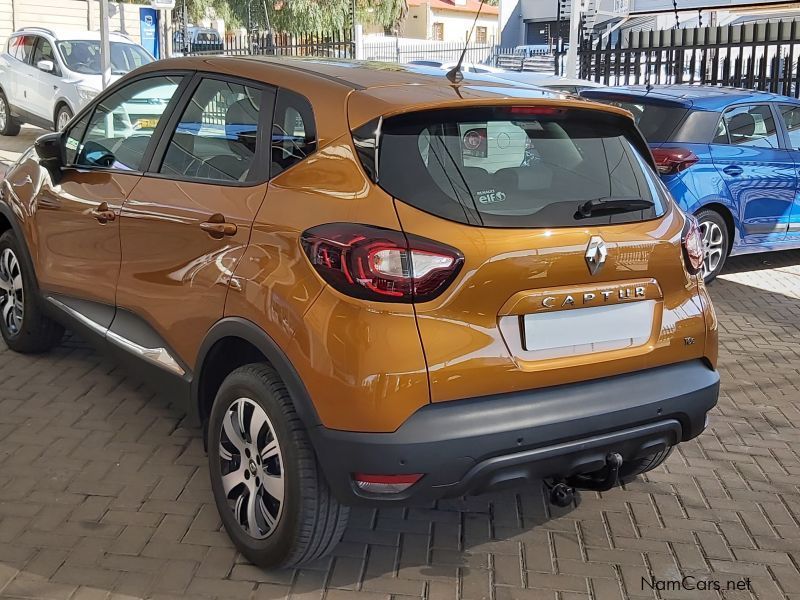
x,y
104,494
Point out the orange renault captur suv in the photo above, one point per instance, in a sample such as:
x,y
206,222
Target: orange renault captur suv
x,y
368,285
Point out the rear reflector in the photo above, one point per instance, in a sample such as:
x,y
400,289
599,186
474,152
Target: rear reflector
x,y
673,160
385,484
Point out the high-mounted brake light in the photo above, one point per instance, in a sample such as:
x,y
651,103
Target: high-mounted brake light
x,y
673,160
373,263
385,484
692,242
536,110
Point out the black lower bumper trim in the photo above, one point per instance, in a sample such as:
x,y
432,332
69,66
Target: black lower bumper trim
x,y
471,446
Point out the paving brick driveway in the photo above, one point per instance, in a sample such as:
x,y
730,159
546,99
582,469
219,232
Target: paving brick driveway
x,y
104,494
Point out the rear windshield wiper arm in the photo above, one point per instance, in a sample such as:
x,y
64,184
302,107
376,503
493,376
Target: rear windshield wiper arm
x,y
599,206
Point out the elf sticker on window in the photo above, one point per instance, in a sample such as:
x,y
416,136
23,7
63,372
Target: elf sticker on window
x,y
490,196
474,142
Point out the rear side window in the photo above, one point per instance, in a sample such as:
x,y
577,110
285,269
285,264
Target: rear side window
x,y
513,167
791,116
217,137
751,125
294,134
23,49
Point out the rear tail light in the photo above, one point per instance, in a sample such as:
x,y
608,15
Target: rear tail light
x,y
692,242
673,160
385,484
373,263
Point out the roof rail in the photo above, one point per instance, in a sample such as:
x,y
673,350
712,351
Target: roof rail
x,y
42,29
122,34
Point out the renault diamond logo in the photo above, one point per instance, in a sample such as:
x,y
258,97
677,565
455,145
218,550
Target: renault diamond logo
x,y
596,254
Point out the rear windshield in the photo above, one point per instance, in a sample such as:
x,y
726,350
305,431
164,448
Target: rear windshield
x,y
514,166
657,122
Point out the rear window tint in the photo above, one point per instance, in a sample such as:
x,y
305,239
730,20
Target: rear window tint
x,y
656,122
500,167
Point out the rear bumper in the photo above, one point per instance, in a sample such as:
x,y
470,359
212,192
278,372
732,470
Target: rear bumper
x,y
476,445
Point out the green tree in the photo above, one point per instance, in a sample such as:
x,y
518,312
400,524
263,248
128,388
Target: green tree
x,y
298,16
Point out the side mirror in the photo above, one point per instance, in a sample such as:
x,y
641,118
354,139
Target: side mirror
x,y
46,65
50,149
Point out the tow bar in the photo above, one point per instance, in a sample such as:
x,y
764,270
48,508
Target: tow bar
x,y
562,493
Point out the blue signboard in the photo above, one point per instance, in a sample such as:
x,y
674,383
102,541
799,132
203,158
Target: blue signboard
x,y
148,26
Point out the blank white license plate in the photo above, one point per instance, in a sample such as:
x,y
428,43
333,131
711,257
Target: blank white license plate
x,y
591,329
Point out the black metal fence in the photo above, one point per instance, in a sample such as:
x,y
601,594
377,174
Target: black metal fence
x,y
337,44
762,55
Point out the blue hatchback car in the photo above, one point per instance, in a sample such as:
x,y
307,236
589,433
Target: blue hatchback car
x,y
731,157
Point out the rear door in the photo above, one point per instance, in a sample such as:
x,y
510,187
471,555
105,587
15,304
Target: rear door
x,y
551,292
758,171
188,220
26,76
44,84
790,115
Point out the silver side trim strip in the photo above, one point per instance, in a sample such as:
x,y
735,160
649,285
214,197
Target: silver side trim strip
x,y
157,356
795,226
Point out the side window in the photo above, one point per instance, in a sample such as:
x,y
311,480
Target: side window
x,y
217,137
752,125
25,48
791,116
294,134
122,124
74,137
721,136
14,45
44,51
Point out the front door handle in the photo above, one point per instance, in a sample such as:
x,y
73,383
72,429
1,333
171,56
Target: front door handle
x,y
217,228
103,214
733,170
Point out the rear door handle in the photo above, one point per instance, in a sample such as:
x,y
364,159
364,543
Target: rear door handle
x,y
217,228
733,170
103,214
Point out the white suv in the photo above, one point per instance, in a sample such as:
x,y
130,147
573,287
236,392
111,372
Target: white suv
x,y
48,76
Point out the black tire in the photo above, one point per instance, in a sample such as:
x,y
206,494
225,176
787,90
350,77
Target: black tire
x,y
10,125
312,521
63,113
36,332
712,223
630,470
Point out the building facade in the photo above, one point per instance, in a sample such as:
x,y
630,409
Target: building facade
x,y
451,21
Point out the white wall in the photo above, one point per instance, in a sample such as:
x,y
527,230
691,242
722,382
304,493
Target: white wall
x,y
66,14
457,25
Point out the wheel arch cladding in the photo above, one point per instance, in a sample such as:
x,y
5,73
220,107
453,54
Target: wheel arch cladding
x,y
230,344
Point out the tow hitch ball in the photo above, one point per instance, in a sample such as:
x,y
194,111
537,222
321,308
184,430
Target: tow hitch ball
x,y
562,493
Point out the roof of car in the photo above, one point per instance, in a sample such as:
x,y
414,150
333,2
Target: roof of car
x,y
352,74
701,97
71,34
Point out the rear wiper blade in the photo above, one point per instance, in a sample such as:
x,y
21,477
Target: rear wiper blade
x,y
600,206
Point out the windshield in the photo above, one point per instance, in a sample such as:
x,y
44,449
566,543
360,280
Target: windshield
x,y
83,56
516,166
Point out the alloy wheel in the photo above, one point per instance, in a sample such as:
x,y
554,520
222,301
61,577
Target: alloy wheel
x,y
713,246
252,468
12,293
3,113
63,119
